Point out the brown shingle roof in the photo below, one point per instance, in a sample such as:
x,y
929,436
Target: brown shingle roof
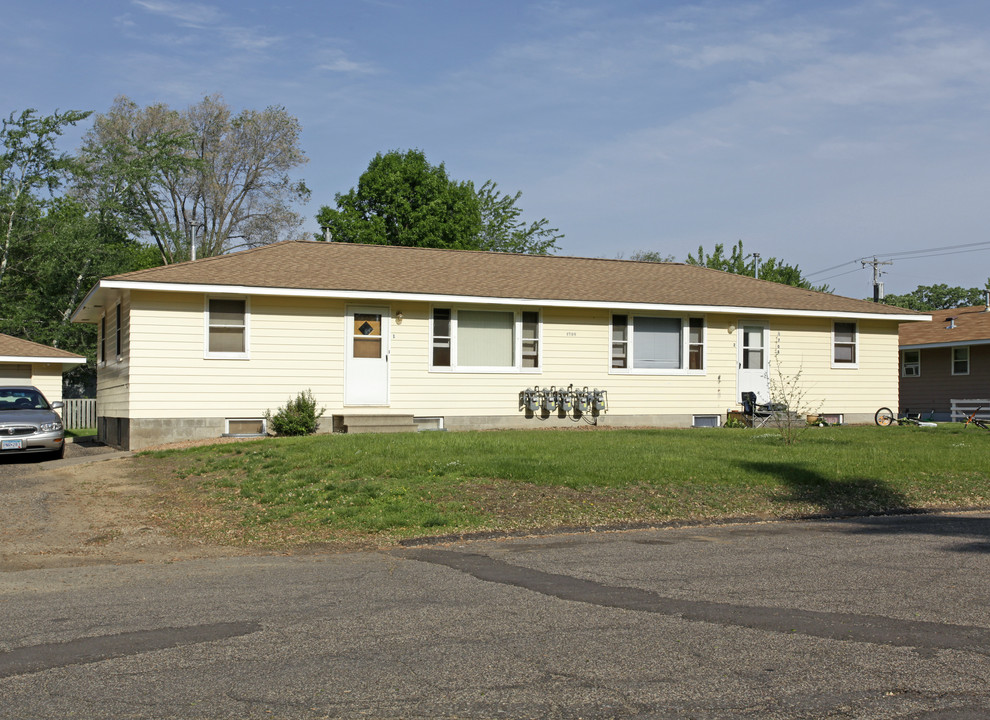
x,y
15,347
379,268
972,324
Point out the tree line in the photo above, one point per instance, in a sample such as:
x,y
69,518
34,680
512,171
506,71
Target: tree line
x,y
156,185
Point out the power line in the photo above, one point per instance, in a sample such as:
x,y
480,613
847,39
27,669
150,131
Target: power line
x,y
847,272
834,267
910,255
905,253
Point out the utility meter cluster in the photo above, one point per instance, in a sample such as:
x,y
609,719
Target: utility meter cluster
x,y
563,400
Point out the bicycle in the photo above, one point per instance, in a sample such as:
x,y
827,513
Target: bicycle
x,y
885,417
972,419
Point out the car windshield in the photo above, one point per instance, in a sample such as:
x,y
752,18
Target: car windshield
x,y
21,399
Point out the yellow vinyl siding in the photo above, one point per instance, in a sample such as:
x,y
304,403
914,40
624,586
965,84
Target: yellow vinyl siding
x,y
48,378
299,343
576,349
805,346
16,374
295,344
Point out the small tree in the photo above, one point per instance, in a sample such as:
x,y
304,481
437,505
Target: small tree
x,y
789,397
296,417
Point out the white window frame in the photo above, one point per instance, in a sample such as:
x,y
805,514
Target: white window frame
x,y
517,341
905,364
855,343
247,329
952,360
686,343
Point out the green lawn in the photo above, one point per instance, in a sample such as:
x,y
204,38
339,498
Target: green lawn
x,y
383,487
81,432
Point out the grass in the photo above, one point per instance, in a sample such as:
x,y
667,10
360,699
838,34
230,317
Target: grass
x,y
81,432
379,488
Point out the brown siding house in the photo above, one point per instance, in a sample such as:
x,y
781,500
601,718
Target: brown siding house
x,y
945,359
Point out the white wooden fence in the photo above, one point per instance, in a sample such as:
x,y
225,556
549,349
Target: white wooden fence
x,y
79,413
962,409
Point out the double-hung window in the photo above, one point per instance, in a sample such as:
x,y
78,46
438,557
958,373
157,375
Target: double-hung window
x,y
844,345
227,328
660,344
485,340
960,360
911,363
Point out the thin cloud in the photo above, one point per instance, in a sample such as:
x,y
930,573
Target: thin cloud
x,y
336,61
242,38
190,14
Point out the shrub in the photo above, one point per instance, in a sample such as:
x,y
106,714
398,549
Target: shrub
x,y
297,417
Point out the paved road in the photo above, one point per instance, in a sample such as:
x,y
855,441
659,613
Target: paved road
x,y
874,618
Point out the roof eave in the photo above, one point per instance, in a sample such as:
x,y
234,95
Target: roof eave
x,y
42,359
112,284
939,344
85,312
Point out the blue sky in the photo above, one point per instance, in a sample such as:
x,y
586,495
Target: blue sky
x,y
815,132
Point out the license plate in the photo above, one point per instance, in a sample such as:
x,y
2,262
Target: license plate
x,y
11,444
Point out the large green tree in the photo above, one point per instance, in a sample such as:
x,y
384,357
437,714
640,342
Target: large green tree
x,y
71,250
53,247
738,262
202,174
938,297
32,169
402,199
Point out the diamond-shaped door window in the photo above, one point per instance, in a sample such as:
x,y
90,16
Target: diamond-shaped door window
x,y
366,329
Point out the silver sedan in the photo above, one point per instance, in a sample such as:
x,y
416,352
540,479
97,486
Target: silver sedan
x,y
29,423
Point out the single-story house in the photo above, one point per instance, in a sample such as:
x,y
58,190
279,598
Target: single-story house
x,y
945,358
23,362
454,339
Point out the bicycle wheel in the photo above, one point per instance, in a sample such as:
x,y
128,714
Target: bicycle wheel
x,y
884,417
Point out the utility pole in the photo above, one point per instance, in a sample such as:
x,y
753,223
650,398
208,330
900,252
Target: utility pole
x,y
877,285
756,265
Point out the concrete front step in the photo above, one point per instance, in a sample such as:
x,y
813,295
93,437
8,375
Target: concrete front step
x,y
374,423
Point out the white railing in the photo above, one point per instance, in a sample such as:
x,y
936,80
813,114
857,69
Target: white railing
x,y
962,409
79,413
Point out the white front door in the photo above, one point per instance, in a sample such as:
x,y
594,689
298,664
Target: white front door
x,y
366,363
754,362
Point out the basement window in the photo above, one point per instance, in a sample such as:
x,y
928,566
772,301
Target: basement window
x,y
246,427
705,421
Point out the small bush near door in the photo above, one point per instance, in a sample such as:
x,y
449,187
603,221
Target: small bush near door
x,y
296,417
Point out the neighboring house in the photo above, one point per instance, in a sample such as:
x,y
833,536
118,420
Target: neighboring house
x,y
23,362
944,359
451,339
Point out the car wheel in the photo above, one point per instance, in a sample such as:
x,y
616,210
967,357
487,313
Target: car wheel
x,y
58,454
